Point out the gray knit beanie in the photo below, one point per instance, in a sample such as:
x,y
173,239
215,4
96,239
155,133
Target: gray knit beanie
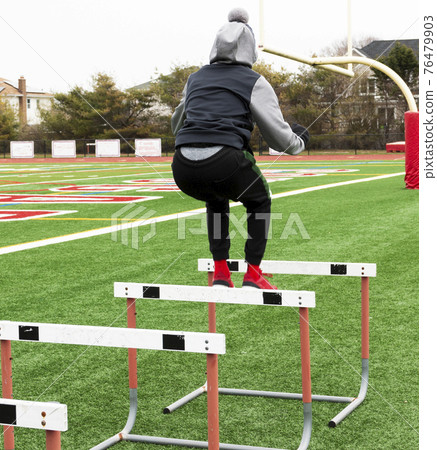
x,y
235,41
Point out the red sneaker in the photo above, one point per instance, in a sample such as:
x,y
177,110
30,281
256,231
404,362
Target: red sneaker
x,y
254,278
222,275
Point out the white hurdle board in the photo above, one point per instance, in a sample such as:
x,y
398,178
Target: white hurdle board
x,y
193,342
38,415
298,267
304,299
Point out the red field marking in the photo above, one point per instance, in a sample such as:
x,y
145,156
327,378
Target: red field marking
x,y
154,185
274,175
11,215
151,181
94,188
11,182
160,188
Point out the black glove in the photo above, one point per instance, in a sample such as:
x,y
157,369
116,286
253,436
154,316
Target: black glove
x,y
302,132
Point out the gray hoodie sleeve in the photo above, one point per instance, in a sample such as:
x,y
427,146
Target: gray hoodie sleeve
x,y
178,117
267,114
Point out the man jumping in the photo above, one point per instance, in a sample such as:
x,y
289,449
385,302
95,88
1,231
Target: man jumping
x,y
213,161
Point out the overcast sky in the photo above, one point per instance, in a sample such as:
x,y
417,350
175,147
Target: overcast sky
x,y
57,44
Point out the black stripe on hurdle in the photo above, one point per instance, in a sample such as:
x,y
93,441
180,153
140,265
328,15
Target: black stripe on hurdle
x,y
151,292
338,269
28,333
272,298
233,266
173,342
8,414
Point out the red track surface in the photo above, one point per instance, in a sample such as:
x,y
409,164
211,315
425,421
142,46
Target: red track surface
x,y
331,157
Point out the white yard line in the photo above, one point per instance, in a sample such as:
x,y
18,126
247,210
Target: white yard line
x,y
176,216
341,183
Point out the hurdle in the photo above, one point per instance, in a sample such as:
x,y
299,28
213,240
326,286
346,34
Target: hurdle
x,y
362,270
48,416
298,299
211,344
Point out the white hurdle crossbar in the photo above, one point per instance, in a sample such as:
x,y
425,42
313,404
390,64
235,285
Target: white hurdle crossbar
x,y
305,299
300,299
48,416
113,337
297,267
210,344
336,269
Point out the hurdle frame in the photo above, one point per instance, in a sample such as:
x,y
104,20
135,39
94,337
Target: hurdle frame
x,y
211,344
362,270
48,416
300,299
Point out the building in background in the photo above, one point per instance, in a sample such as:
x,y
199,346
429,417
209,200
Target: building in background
x,y
26,101
388,110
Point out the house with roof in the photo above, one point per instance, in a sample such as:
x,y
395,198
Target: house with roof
x,y
376,49
387,110
26,101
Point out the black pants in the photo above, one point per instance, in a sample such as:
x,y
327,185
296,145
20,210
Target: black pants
x,y
230,174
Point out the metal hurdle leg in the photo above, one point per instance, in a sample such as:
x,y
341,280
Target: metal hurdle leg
x,y
6,366
133,370
364,356
306,377
133,385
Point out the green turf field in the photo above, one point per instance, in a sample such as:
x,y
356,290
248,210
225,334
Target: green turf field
x,y
70,280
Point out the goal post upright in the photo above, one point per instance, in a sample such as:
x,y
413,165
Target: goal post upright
x,y
411,117
349,32
261,25
295,57
330,63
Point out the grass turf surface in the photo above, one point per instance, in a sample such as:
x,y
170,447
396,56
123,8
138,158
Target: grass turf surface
x,y
72,283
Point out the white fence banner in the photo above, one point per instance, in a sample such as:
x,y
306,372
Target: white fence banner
x,y
63,149
147,147
107,148
22,149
